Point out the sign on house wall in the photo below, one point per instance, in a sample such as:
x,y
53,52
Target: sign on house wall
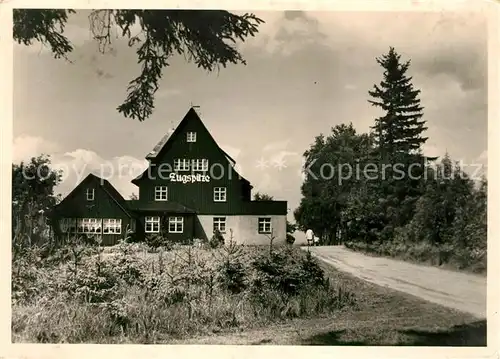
x,y
189,178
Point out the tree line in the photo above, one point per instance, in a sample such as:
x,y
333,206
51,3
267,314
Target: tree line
x,y
378,190
33,196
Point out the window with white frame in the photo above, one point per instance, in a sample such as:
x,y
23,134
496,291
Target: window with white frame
x,y
176,224
220,194
220,224
111,226
89,225
67,225
200,165
152,225
265,225
160,193
95,225
191,136
181,164
90,194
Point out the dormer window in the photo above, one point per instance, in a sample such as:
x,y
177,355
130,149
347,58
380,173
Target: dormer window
x,y
90,194
191,136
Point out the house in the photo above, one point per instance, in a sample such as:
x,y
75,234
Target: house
x,y
189,190
94,207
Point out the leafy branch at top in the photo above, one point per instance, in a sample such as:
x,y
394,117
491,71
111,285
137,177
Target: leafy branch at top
x,y
45,26
205,37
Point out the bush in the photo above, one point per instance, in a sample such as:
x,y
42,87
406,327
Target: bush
x,y
26,283
231,272
217,239
155,241
232,276
287,272
312,271
94,282
125,264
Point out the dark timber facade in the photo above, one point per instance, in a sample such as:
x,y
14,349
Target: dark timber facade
x,y
189,189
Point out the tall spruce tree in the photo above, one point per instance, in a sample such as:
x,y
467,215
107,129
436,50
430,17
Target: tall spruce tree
x,y
400,129
398,138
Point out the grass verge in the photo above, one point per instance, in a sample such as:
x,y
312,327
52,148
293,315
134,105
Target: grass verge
x,y
382,317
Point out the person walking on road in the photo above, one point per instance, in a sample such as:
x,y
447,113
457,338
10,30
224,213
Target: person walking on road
x,y
309,236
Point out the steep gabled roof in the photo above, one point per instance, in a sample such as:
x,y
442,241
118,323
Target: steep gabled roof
x,y
162,143
114,194
162,146
158,146
107,188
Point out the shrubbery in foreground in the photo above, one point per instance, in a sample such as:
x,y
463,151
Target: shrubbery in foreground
x,y
130,295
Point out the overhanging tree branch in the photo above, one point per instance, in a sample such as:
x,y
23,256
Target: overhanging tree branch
x,y
205,37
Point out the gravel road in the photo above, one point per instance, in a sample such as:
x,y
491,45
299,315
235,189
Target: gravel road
x,y
461,291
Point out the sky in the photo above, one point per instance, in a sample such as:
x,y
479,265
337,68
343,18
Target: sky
x,y
306,72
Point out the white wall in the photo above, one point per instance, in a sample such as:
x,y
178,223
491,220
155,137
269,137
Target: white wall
x,y
232,222
245,228
249,230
